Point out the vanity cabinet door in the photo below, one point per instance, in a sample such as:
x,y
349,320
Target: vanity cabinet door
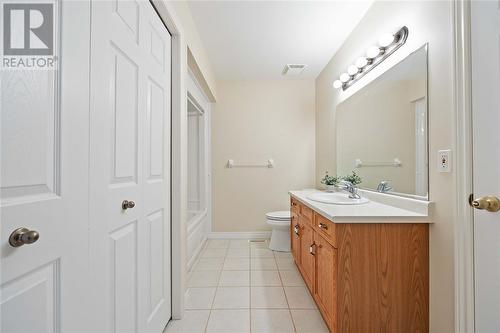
x,y
295,237
307,249
325,279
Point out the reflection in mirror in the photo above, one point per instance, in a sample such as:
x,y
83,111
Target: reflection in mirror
x,y
382,130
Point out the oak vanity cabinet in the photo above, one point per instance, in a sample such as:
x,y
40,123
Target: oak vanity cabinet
x,y
364,277
302,240
295,232
306,245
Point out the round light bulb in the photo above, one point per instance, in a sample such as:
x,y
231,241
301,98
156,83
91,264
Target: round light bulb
x,y
373,52
361,62
337,84
344,77
386,40
352,70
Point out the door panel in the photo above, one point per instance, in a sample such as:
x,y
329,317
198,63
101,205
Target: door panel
x,y
44,183
325,275
124,144
156,302
485,48
156,267
306,258
130,126
29,123
295,237
27,295
155,131
123,253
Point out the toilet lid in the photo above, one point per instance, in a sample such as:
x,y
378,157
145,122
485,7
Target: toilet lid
x,y
282,215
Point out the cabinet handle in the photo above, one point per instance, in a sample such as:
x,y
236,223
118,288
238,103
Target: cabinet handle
x,y
323,226
294,204
296,229
312,249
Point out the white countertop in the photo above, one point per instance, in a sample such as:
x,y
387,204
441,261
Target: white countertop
x,y
392,210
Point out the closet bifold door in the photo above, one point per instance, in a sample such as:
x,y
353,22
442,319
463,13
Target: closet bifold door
x,y
44,149
130,167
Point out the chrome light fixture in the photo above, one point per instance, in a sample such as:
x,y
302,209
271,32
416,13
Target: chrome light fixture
x,y
387,45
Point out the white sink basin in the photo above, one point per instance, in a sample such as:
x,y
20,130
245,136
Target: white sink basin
x,y
336,198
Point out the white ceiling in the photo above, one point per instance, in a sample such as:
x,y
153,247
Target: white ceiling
x,y
253,40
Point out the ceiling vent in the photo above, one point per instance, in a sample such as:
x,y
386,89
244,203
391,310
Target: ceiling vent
x,y
293,69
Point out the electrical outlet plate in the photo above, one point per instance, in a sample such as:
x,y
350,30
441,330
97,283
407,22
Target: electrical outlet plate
x,y
444,160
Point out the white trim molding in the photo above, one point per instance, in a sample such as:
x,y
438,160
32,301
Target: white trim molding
x,y
240,235
179,156
464,236
196,254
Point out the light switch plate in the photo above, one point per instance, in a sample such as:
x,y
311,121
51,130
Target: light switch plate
x,y
444,160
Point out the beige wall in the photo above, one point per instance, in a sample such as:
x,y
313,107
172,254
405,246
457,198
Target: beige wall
x,y
197,58
428,21
252,122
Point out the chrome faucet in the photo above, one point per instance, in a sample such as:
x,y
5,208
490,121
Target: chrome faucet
x,y
384,186
352,189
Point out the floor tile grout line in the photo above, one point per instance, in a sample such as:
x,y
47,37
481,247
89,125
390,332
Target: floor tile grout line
x,y
250,291
277,269
215,295
288,304
250,271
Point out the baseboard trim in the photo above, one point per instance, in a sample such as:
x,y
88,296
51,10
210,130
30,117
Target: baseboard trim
x,y
196,254
240,235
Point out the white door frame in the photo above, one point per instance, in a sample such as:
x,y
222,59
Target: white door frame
x,y
179,155
464,245
199,230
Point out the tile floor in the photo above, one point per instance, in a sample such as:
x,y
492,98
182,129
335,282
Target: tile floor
x,y
241,286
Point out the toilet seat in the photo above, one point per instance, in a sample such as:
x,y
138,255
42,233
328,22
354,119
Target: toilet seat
x,y
282,215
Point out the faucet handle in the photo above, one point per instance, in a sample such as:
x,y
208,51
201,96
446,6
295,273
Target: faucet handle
x,y
346,183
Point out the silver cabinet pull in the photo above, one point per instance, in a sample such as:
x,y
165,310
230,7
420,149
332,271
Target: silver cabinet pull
x,y
127,204
296,229
323,226
22,236
312,248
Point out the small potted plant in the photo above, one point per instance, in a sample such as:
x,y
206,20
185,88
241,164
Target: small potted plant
x,y
353,178
330,182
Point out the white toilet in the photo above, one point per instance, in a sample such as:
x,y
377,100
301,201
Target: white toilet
x,y
280,237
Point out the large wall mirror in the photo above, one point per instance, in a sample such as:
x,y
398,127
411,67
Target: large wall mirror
x,y
382,130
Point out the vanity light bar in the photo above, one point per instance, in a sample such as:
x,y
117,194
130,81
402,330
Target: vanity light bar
x,y
387,45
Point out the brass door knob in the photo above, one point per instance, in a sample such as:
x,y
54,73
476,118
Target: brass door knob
x,y
22,236
127,204
489,203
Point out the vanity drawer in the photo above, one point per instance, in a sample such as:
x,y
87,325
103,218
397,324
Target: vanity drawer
x,y
326,228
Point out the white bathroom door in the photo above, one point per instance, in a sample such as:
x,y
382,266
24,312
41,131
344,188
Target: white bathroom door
x,y
486,119
130,161
44,179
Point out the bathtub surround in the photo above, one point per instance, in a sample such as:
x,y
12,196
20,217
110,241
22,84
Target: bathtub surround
x,y
428,22
252,122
